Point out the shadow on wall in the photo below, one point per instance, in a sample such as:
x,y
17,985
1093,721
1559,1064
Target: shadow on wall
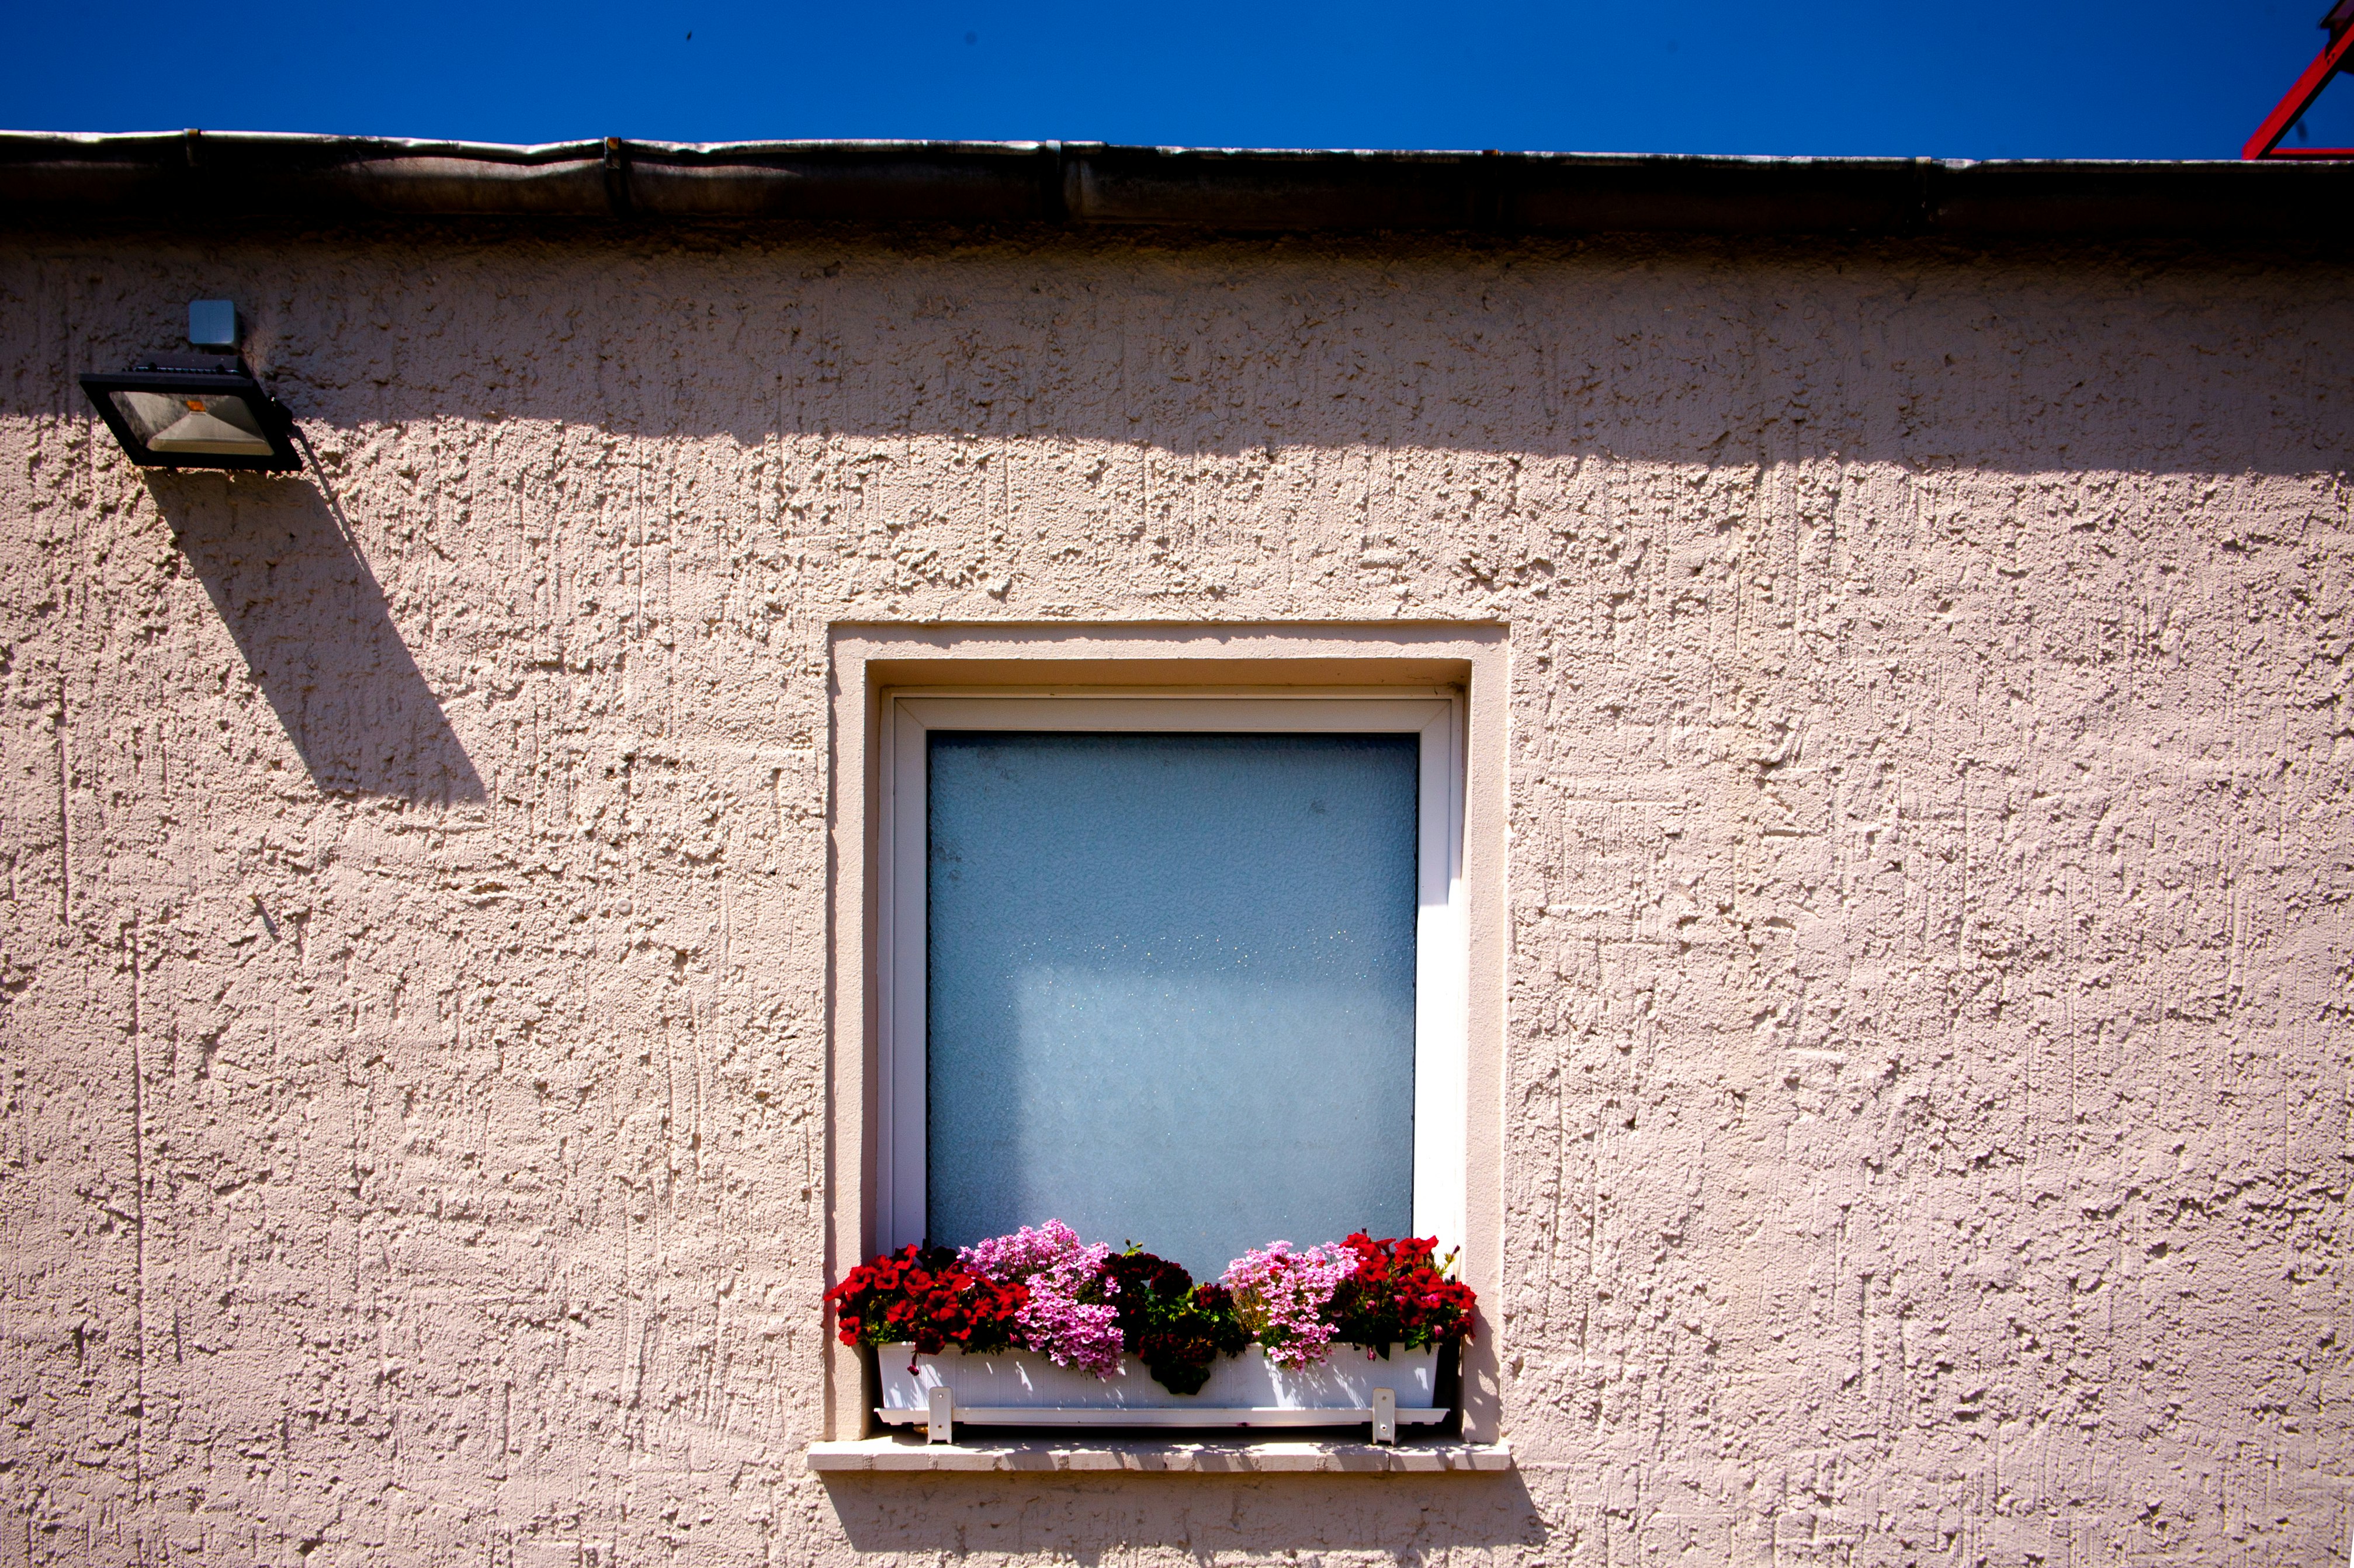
x,y
279,565
1085,1519
2020,360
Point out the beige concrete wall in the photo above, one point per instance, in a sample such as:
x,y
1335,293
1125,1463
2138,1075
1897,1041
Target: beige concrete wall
x,y
1927,1108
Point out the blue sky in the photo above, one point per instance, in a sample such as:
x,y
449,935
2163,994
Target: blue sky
x,y
2164,79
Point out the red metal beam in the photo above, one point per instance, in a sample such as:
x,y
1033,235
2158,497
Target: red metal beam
x,y
2265,142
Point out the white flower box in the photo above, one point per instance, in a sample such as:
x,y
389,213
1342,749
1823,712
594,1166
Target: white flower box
x,y
1023,1388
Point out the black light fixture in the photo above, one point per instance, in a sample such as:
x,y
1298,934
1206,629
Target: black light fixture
x,y
201,410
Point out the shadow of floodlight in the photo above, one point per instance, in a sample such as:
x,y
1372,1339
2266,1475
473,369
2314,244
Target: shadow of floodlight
x,y
279,561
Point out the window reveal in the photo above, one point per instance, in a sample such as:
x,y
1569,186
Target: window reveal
x,y
1180,843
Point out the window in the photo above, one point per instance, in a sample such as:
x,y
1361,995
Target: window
x,y
1187,969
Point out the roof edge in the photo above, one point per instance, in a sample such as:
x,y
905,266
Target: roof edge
x,y
190,174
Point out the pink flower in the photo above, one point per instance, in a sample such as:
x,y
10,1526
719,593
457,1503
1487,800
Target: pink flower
x,y
1066,1316
1281,1295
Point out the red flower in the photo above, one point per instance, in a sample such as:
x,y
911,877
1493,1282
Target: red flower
x,y
922,1295
1399,1296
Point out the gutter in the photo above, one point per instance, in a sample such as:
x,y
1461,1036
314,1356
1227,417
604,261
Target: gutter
x,y
197,176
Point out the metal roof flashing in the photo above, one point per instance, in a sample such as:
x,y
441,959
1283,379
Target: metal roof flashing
x,y
186,174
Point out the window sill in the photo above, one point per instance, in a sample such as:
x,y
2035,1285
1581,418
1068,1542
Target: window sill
x,y
1160,1457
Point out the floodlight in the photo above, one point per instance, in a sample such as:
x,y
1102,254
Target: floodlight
x,y
201,412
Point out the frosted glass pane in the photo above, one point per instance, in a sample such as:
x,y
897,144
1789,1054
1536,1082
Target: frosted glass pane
x,y
1171,988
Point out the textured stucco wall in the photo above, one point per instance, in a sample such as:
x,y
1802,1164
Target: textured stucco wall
x,y
1927,1102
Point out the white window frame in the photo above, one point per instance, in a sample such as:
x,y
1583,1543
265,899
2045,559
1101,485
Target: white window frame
x,y
1442,929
